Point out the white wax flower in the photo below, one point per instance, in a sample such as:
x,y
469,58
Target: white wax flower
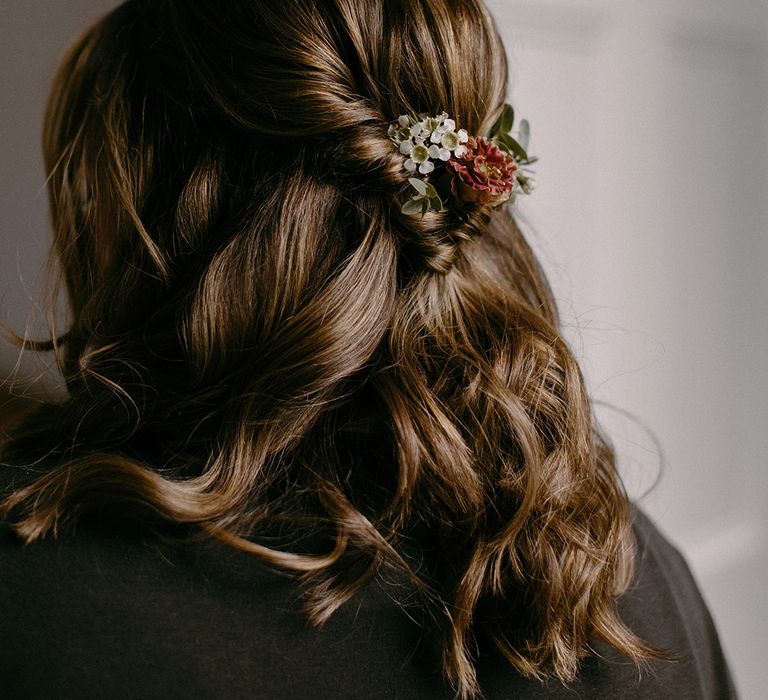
x,y
450,140
399,134
436,152
419,130
419,153
419,157
431,124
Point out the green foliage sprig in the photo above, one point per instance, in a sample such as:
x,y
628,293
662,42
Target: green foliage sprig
x,y
429,143
501,135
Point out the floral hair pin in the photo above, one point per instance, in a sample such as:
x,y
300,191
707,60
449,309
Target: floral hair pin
x,y
458,167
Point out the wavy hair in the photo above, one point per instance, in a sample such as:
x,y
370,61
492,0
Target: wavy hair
x,y
262,349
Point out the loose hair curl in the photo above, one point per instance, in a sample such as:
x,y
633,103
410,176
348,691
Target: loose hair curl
x,y
264,350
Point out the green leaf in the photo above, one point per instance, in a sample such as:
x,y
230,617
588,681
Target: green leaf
x,y
424,207
412,206
419,185
497,125
513,146
524,134
502,145
430,191
437,204
505,121
502,140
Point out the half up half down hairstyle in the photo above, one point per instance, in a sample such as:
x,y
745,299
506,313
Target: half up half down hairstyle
x,y
262,349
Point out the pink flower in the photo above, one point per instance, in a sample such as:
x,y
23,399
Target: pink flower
x,y
483,174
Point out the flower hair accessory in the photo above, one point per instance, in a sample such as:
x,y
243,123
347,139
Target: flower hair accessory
x,y
450,165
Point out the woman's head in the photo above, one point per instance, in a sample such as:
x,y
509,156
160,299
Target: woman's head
x,y
261,343
171,119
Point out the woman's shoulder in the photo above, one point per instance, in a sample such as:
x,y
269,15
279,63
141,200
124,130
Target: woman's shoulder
x,y
665,607
127,596
663,577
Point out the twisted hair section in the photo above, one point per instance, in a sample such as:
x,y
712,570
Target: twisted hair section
x,y
262,349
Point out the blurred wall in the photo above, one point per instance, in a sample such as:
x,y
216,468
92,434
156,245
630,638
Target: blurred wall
x,y
33,36
650,218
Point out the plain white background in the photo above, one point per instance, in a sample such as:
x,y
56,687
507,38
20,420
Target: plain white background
x,y
650,217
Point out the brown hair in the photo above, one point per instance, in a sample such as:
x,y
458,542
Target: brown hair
x,y
261,345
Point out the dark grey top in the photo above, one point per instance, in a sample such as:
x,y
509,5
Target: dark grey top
x,y
110,613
